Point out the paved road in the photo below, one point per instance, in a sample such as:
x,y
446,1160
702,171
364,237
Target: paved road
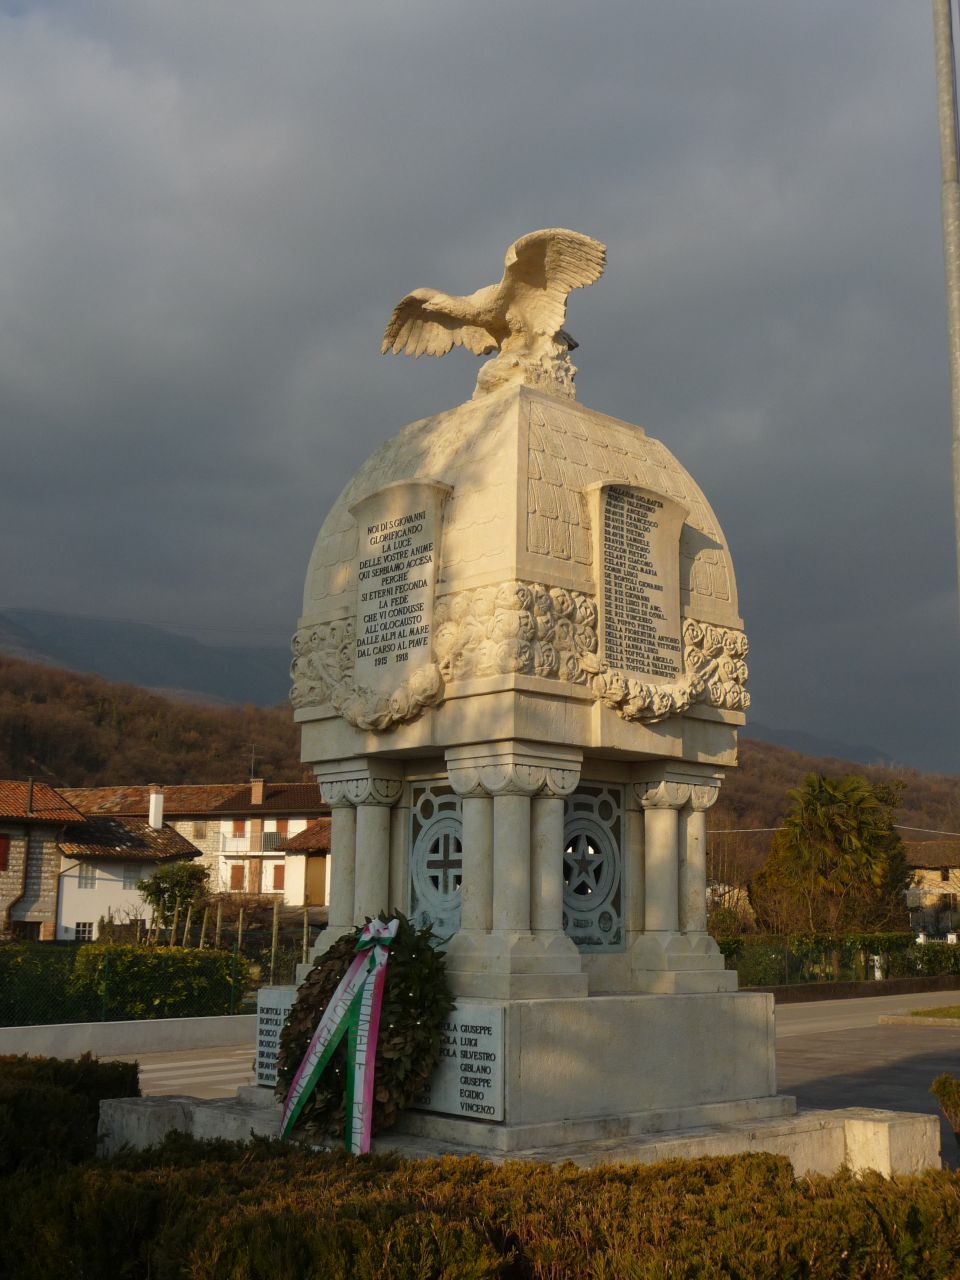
x,y
831,1053
835,1053
199,1073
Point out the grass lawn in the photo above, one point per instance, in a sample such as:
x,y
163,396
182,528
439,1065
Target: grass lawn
x,y
946,1011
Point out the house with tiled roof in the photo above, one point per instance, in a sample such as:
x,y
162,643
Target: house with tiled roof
x,y
61,872
934,891
240,829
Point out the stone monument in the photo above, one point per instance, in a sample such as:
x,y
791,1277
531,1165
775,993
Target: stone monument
x,y
519,673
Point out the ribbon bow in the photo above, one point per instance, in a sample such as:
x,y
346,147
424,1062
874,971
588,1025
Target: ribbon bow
x,y
354,1011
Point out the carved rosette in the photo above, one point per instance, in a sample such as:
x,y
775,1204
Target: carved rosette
x,y
527,628
322,672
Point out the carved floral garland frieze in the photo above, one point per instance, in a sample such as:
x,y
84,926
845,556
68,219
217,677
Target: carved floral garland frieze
x,y
525,628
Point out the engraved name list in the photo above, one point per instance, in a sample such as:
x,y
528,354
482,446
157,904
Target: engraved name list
x,y
641,598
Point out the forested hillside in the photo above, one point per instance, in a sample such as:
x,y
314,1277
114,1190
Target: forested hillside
x,y
76,730
83,731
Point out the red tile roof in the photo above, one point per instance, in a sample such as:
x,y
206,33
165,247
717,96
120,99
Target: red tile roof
x,y
292,798
315,839
41,804
177,801
125,840
933,853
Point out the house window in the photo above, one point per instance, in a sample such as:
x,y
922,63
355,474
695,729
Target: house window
x,y
83,931
199,829
87,876
278,871
4,853
131,875
236,876
239,827
945,874
282,826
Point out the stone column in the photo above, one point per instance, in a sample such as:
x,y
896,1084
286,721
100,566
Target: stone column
x,y
674,954
662,802
343,852
511,943
373,796
476,884
693,860
546,851
359,793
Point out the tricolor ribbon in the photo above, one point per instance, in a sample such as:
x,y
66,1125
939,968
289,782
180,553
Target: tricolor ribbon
x,y
354,1012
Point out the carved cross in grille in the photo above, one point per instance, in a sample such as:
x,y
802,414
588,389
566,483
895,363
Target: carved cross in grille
x,y
448,866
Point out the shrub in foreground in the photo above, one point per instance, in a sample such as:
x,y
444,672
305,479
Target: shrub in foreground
x,y
224,1212
49,1106
946,1090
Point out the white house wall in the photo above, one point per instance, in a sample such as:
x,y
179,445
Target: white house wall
x,y
104,898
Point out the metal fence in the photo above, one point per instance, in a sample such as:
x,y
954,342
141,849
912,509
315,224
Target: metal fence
x,y
45,983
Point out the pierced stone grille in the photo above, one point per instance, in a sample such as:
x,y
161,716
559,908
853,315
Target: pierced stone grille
x,y
436,857
592,868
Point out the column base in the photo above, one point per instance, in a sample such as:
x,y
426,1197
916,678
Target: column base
x,y
514,966
679,964
326,940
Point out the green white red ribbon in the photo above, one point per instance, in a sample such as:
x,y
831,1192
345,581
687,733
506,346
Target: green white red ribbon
x,y
354,1012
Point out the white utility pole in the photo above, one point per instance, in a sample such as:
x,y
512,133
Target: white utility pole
x,y
950,213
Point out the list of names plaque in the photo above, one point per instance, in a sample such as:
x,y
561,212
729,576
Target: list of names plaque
x,y
640,553
468,1080
273,1009
395,573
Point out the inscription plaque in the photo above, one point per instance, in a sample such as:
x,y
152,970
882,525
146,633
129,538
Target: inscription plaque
x,y
640,561
273,1009
396,565
468,1080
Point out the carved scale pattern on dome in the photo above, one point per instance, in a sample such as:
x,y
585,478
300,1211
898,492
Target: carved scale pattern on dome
x,y
525,628
570,452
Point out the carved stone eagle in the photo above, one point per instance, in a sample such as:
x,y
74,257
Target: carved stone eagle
x,y
521,316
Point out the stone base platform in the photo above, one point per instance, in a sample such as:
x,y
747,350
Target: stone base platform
x,y
889,1142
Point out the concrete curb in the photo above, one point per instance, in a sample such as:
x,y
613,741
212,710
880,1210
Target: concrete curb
x,y
905,1020
160,1035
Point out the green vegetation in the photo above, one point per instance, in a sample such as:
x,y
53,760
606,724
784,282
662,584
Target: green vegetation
x,y
74,730
49,1108
946,1011
128,981
946,1090
172,888
40,983
838,864
220,1211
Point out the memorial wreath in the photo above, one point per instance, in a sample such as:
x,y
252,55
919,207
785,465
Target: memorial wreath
x,y
414,1001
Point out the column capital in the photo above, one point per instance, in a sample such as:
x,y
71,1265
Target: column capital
x,y
362,781
702,797
662,795
511,768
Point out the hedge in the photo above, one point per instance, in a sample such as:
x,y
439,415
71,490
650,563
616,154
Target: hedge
x,y
126,981
232,1212
41,983
49,1107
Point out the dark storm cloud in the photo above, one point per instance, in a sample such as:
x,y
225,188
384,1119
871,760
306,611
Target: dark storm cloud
x,y
209,211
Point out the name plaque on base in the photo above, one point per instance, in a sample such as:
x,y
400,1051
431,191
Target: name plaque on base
x,y
468,1080
273,1009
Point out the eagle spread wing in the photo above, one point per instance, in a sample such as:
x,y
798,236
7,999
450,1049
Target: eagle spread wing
x,y
418,328
542,268
530,301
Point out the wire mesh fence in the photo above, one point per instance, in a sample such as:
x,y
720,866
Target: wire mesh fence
x,y
168,973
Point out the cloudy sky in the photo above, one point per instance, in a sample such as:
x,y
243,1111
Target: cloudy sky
x,y
209,208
